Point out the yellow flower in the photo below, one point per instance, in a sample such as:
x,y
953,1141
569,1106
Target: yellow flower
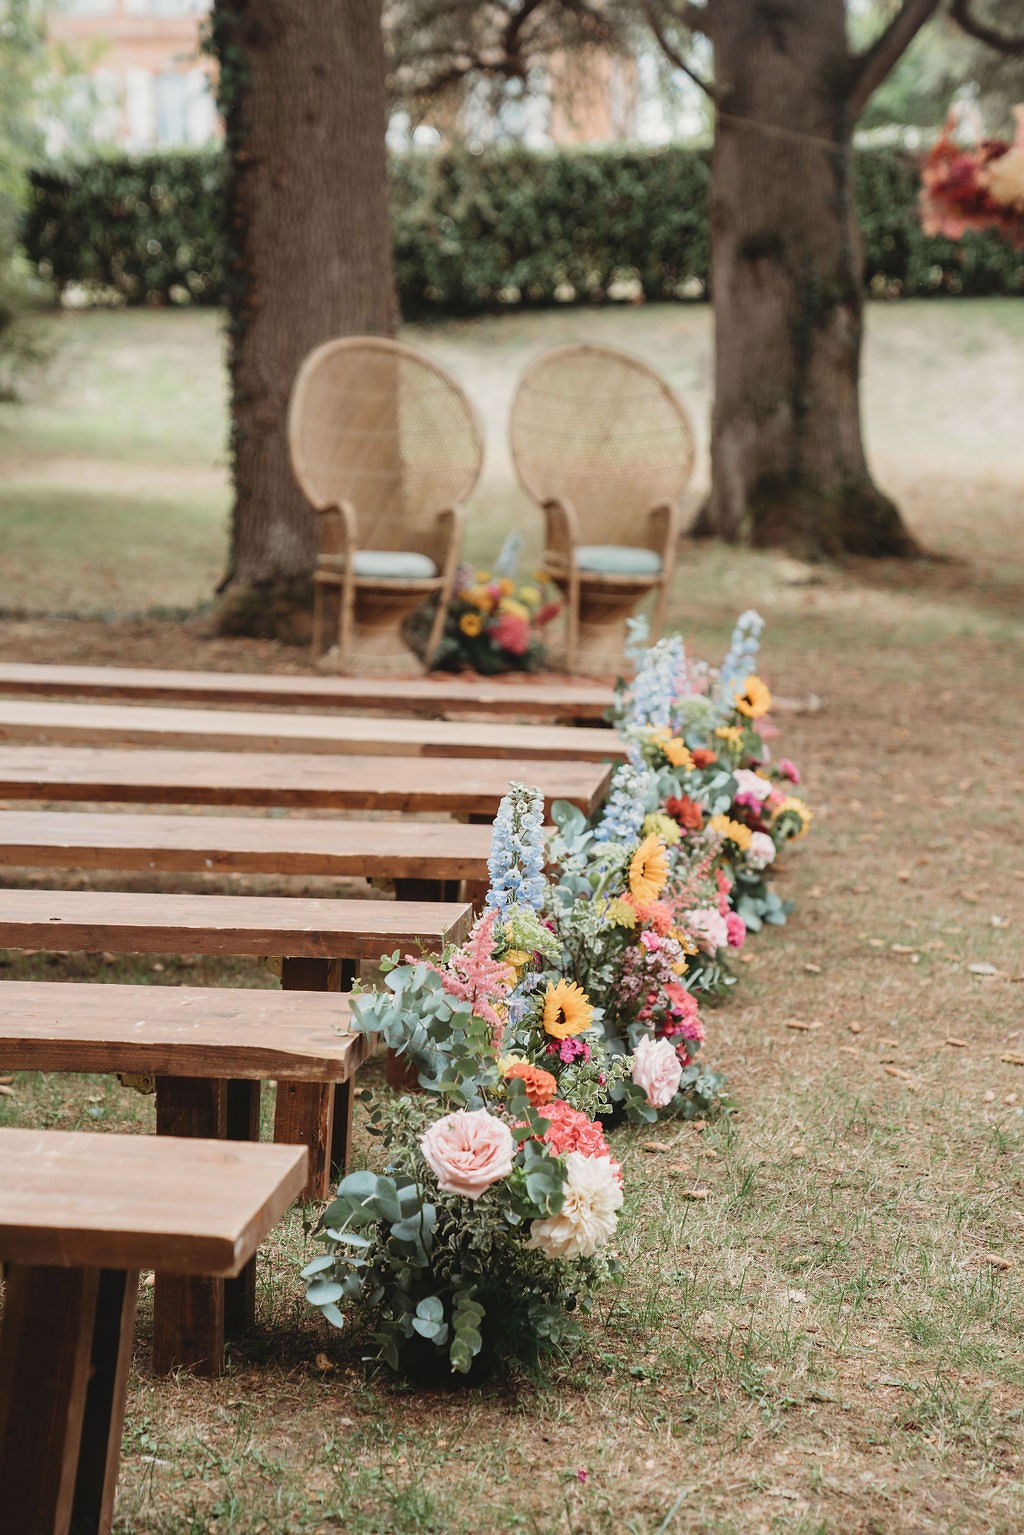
x,y
471,624
479,598
620,913
517,961
732,831
731,734
510,605
566,1010
648,870
658,824
673,747
506,587
530,595
794,806
753,698
483,575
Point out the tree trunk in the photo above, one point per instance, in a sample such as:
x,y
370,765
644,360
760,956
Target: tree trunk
x,y
303,94
787,456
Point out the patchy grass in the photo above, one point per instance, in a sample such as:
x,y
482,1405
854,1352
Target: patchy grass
x,y
830,1342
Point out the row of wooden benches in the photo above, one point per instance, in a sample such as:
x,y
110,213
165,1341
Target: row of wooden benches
x,y
208,1196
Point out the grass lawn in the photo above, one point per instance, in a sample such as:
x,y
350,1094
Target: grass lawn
x,y
829,1343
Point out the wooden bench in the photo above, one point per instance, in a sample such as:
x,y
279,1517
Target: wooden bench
x,y
457,786
209,1050
80,1216
411,853
312,936
101,724
421,695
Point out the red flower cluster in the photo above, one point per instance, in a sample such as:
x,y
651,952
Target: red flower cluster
x,y
685,811
957,194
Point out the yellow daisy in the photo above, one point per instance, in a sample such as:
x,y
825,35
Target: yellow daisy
x,y
471,624
753,698
732,831
674,748
566,1010
648,870
510,605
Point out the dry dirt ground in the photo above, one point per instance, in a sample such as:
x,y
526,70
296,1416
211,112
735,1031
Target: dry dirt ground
x,y
829,1341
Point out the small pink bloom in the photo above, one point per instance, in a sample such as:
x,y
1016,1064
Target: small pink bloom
x,y
737,930
752,784
468,1151
789,770
657,1070
512,633
708,928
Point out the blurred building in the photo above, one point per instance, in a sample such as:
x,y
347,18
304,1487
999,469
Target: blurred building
x,y
145,82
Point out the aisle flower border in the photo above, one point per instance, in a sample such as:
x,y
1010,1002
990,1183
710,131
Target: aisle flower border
x,y
579,996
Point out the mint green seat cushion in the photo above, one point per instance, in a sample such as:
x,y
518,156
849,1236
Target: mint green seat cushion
x,y
617,560
393,565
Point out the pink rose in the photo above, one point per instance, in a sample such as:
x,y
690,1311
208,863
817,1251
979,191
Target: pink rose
x,y
468,1150
753,784
737,930
761,851
657,1069
708,928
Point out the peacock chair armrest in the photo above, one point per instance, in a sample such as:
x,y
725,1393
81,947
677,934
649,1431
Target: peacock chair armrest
x,y
339,537
562,533
664,526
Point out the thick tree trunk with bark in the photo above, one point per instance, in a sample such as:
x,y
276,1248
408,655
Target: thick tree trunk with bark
x,y
303,90
788,463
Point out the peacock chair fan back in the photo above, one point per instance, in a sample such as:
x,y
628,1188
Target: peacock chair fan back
x,y
597,427
379,425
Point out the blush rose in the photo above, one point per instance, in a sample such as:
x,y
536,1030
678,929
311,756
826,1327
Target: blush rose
x,y
468,1151
657,1069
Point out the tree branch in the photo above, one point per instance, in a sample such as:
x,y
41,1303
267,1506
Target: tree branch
x,y
960,11
669,49
870,68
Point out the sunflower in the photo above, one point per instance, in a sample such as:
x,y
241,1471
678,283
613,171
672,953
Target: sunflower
x,y
648,870
793,806
566,1010
732,831
471,624
752,698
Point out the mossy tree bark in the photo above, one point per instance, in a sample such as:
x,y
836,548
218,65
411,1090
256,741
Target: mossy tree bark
x,y
787,453
309,240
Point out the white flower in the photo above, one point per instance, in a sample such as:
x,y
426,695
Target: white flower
x,y
761,851
587,1219
752,783
657,1069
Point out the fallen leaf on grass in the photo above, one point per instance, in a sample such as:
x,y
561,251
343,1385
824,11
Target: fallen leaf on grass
x,y
7,1092
897,1071
693,1193
902,948
995,1261
813,969
6,1081
855,1028
983,969
1010,1059
658,1147
797,1023
957,1044
324,1364
850,1050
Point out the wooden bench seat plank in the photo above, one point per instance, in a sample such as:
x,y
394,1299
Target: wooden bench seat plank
x,y
224,924
427,695
450,785
438,850
181,1031
184,729
85,1200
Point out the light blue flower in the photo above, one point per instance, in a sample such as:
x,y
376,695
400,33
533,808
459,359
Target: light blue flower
x,y
627,804
516,862
657,683
509,555
740,659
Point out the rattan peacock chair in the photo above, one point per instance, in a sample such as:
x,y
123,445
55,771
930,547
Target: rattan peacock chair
x,y
386,447
605,447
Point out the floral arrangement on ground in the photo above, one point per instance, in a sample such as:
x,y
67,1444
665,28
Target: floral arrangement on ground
x,y
495,622
579,999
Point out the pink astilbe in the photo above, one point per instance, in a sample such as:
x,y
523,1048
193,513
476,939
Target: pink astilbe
x,y
473,975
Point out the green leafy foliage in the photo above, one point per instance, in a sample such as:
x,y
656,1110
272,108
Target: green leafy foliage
x,y
478,232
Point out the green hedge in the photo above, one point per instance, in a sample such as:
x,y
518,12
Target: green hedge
x,y
476,232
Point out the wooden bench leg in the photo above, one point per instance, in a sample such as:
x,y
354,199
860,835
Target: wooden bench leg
x,y
104,1403
341,1124
305,1110
45,1359
188,1313
243,1124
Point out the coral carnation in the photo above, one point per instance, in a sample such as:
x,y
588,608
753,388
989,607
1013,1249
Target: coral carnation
x,y
540,1085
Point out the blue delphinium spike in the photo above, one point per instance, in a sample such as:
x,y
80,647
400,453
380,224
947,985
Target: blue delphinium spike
x,y
741,656
626,805
516,862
